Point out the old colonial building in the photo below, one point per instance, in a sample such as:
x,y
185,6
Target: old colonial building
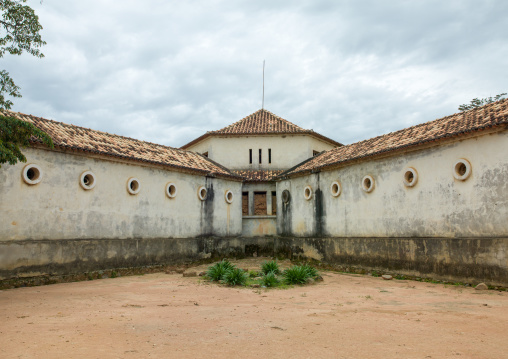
x,y
429,200
258,148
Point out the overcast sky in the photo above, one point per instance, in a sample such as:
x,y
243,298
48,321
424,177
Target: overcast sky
x,y
168,71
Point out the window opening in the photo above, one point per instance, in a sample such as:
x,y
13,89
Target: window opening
x,y
245,203
260,155
133,186
205,154
32,174
250,156
462,169
260,203
171,190
228,196
269,155
315,153
274,203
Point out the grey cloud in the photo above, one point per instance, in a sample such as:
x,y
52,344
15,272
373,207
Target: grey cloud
x,y
167,72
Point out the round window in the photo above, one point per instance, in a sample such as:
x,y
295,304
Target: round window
x,y
133,185
307,192
286,196
410,177
228,196
202,193
32,174
87,180
368,183
462,169
171,190
336,188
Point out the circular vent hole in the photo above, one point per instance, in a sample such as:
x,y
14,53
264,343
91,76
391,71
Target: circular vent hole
x,y
368,184
32,174
307,193
171,190
462,169
410,177
336,189
229,196
133,186
202,193
87,180
286,197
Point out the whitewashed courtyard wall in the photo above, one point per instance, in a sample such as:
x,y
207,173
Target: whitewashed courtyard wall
x,y
57,224
439,222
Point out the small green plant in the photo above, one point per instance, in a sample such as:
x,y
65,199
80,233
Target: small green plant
x,y
217,271
311,270
114,274
296,275
253,274
235,276
269,280
270,267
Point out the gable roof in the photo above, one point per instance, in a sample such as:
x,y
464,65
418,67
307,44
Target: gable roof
x,y
66,136
459,124
262,122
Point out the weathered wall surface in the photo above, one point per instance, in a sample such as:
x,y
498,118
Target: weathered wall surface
x,y
32,258
256,226
469,260
58,208
287,150
441,227
437,206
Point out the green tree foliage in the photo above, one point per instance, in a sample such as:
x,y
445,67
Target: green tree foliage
x,y
476,102
19,32
14,134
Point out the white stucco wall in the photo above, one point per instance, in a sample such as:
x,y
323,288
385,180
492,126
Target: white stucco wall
x,y
287,150
58,208
437,206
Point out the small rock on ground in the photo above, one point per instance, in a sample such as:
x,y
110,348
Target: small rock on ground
x,y
481,286
387,277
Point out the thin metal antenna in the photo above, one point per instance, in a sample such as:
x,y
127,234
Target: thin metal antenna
x,y
263,103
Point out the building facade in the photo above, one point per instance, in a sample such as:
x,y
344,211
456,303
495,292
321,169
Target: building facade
x,y
430,200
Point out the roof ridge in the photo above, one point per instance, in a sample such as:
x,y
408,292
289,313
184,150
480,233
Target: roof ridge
x,y
93,141
252,116
463,122
98,131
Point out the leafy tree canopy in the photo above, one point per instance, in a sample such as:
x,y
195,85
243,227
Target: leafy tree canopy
x,y
19,32
476,102
15,133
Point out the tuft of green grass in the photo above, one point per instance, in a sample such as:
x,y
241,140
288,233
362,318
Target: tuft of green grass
x,y
270,280
313,272
270,267
219,269
296,275
235,276
253,274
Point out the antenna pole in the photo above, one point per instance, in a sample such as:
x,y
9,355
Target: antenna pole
x,y
263,102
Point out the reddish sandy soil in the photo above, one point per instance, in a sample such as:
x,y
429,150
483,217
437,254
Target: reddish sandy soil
x,y
170,316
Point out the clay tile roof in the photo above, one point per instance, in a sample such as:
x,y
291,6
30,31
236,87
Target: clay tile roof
x,y
258,175
262,122
488,116
66,136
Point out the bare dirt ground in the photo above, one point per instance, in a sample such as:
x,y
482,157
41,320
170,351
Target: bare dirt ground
x,y
171,316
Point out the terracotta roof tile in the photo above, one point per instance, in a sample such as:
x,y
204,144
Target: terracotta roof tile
x,y
495,114
83,139
258,175
262,122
